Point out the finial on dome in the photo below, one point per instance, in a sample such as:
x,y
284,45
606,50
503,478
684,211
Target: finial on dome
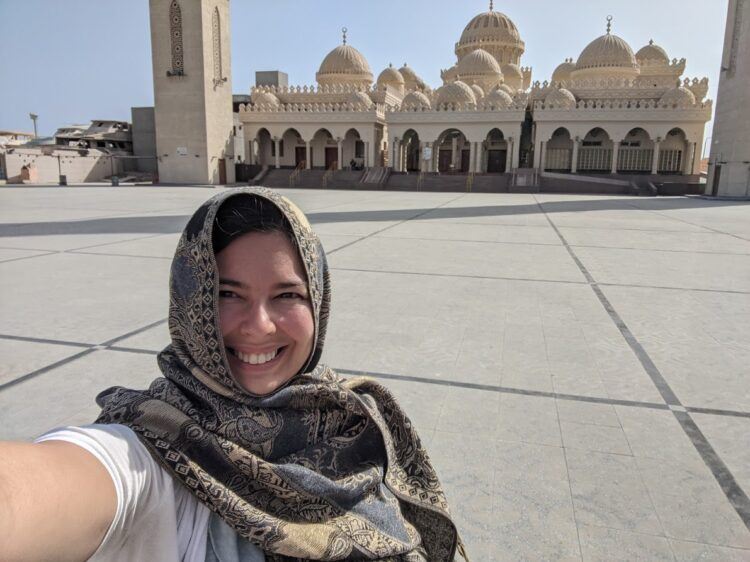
x,y
492,6
651,42
609,24
344,30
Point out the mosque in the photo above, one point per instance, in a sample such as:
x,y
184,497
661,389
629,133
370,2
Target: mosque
x,y
609,111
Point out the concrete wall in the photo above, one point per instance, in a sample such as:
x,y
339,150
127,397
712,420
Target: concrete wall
x,y
46,168
730,148
144,138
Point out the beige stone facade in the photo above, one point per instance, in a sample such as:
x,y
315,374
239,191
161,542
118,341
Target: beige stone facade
x,y
729,164
192,91
611,110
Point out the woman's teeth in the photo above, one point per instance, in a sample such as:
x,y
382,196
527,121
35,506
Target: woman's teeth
x,y
256,358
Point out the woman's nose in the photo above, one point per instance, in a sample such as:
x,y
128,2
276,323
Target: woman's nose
x,y
257,321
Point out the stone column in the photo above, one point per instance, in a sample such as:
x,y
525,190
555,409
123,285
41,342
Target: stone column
x,y
422,162
367,154
516,152
277,144
481,154
574,158
687,165
431,162
543,157
403,155
472,157
340,153
308,151
509,153
655,162
538,153
396,149
454,153
615,155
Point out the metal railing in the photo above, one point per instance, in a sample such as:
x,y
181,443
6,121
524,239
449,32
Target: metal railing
x,y
329,173
295,174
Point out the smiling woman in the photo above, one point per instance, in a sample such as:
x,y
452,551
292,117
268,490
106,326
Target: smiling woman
x,y
246,448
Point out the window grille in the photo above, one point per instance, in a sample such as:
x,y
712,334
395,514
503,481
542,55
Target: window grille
x,y
175,36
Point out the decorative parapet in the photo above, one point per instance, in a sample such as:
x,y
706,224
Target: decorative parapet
x,y
319,89
615,88
620,105
312,108
519,104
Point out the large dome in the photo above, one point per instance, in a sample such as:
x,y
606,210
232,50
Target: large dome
x,y
494,32
456,92
344,65
607,56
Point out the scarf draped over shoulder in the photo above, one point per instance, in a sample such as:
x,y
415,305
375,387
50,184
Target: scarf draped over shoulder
x,y
324,468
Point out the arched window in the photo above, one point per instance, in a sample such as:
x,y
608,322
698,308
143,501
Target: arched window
x,y
175,36
218,69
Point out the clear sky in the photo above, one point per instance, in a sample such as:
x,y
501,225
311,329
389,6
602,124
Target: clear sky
x,y
72,61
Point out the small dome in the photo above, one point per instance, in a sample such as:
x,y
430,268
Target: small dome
x,y
450,74
507,89
261,97
513,75
478,63
360,98
478,91
416,100
562,72
455,93
411,80
679,96
652,54
344,65
608,52
392,77
560,97
498,98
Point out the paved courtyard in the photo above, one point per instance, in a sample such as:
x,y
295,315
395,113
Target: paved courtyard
x,y
579,366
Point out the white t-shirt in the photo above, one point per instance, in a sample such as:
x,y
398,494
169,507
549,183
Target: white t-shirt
x,y
156,519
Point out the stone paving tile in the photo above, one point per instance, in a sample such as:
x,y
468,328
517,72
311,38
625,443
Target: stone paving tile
x,y
690,504
608,492
8,254
599,544
584,412
22,357
696,552
528,419
459,258
162,246
93,297
440,230
533,510
467,411
153,339
597,438
45,402
730,438
63,242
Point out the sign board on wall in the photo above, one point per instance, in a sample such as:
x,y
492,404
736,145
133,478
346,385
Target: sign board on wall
x,y
181,151
426,153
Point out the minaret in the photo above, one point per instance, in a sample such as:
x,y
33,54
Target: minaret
x,y
192,91
729,164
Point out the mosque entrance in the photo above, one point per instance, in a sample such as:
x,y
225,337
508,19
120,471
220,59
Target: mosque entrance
x,y
496,160
332,156
465,160
299,155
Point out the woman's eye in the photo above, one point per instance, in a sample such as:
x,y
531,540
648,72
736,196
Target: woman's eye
x,y
224,294
290,296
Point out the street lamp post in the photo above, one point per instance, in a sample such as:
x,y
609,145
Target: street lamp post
x,y
34,117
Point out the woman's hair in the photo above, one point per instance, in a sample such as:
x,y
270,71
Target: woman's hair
x,y
243,214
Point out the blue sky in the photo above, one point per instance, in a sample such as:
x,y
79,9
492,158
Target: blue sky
x,y
72,61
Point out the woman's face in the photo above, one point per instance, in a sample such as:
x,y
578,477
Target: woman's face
x,y
265,314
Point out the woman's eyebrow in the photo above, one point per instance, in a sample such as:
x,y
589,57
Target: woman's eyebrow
x,y
291,285
231,283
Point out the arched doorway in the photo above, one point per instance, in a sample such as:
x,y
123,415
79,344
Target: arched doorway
x,y
323,150
353,150
595,154
636,153
262,148
411,154
291,149
496,152
453,152
559,157
672,152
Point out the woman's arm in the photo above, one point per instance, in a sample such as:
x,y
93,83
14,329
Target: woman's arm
x,y
56,502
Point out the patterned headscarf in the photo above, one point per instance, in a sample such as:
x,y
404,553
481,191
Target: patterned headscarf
x,y
322,468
